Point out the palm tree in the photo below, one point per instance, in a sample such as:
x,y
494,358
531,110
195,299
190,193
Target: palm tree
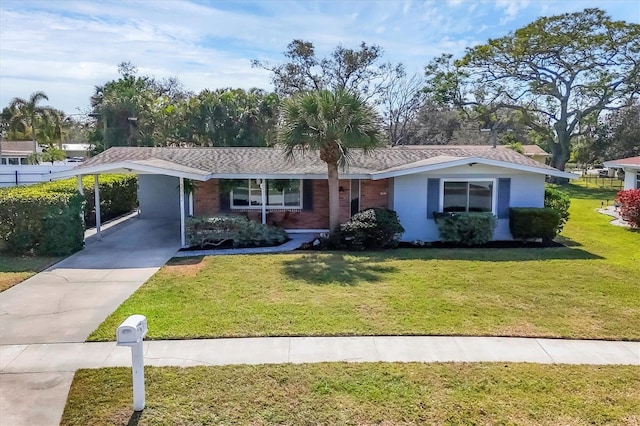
x,y
29,111
331,123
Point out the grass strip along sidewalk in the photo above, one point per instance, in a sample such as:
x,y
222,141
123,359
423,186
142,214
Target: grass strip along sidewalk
x,y
389,394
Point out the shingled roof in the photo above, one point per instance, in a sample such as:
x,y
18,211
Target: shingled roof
x,y
251,161
17,148
631,162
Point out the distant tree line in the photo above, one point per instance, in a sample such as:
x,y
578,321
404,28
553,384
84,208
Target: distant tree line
x,y
568,83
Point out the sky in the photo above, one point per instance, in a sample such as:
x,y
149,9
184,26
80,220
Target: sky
x,y
67,47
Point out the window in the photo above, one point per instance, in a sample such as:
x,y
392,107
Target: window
x,y
280,193
638,180
468,196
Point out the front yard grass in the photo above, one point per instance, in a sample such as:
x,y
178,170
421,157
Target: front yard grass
x,y
15,269
587,290
339,393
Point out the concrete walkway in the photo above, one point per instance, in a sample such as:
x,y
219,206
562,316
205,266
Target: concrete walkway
x,y
295,242
47,358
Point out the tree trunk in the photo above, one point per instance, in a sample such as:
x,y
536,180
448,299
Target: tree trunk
x,y
334,196
561,150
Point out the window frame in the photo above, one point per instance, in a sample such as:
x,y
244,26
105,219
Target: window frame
x,y
268,207
494,192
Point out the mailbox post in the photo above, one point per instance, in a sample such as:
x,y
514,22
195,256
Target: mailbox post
x,y
131,333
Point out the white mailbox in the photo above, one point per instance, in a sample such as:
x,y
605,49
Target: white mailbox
x,y
132,330
130,333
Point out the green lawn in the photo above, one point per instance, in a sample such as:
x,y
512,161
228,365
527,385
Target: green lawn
x,y
15,269
587,290
361,394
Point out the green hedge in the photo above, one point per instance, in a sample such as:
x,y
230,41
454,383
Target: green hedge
x,y
118,195
470,229
33,220
47,218
531,223
560,202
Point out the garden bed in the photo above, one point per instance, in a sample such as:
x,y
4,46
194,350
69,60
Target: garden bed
x,y
229,244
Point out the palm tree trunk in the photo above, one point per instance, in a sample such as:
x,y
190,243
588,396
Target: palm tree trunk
x,y
334,196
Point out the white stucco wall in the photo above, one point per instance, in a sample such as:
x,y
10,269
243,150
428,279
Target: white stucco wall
x,y
158,196
630,178
410,198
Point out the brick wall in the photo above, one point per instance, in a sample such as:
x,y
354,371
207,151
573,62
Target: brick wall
x,y
206,198
372,194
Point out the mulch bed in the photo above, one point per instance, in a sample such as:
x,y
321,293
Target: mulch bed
x,y
491,245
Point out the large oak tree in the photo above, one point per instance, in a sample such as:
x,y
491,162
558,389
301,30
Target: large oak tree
x,y
555,72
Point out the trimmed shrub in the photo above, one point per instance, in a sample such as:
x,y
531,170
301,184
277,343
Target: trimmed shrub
x,y
469,229
629,201
118,195
370,229
36,221
531,222
235,231
560,202
62,230
46,218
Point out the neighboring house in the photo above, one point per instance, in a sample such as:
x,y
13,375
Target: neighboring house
x,y
536,153
77,150
631,167
415,181
15,153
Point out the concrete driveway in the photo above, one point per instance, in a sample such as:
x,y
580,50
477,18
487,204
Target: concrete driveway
x,y
66,303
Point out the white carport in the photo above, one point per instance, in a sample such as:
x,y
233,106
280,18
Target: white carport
x,y
139,167
631,167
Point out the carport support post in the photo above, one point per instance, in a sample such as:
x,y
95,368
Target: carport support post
x,y
96,191
263,200
183,239
80,188
81,191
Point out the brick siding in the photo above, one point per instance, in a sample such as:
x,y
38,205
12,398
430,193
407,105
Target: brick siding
x,y
372,194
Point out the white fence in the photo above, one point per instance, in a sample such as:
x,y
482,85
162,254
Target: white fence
x,y
28,174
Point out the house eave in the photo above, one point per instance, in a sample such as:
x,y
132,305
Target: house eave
x,y
617,165
283,176
471,161
126,167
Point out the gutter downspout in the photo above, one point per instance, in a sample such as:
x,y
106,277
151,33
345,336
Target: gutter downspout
x,y
183,239
81,191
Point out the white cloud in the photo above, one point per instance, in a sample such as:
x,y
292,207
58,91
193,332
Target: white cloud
x,y
67,47
511,8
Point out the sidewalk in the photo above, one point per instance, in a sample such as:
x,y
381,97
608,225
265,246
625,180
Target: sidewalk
x,y
68,357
